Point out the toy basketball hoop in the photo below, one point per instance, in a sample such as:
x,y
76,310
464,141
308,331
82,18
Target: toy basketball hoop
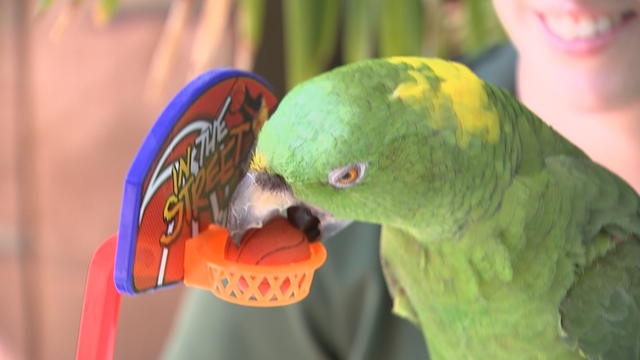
x,y
174,209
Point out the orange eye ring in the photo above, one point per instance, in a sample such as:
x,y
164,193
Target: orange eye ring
x,y
347,175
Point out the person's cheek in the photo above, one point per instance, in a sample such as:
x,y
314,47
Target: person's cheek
x,y
510,14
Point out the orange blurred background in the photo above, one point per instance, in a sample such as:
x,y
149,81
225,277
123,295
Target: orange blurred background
x,y
73,112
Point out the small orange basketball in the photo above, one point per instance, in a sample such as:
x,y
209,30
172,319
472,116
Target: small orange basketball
x,y
276,243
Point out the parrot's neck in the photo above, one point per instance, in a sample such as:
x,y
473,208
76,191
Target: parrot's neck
x,y
533,140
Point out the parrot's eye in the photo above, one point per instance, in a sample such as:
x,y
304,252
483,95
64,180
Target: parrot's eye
x,y
348,175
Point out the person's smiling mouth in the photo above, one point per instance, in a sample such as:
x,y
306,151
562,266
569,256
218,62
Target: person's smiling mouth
x,y
584,33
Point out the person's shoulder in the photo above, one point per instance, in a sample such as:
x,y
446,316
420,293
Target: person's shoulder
x,y
496,65
353,257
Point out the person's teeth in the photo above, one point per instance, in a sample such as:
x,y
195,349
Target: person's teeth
x,y
563,26
603,25
584,27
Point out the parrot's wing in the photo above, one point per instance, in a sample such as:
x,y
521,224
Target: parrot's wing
x,y
601,312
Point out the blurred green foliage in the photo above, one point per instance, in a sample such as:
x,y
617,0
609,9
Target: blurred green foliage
x,y
316,31
372,28
104,9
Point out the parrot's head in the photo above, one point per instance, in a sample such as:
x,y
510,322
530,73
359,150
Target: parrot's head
x,y
410,142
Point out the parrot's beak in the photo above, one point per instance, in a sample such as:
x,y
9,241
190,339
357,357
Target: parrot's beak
x,y
260,196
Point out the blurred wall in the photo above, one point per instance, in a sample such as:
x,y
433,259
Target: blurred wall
x,y
87,119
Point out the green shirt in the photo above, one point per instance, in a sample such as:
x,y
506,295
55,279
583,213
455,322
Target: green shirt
x,y
347,315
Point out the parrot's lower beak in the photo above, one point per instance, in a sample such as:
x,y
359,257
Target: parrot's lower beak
x,y
261,196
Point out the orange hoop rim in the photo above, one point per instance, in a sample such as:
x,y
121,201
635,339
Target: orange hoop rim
x,y
215,254
248,284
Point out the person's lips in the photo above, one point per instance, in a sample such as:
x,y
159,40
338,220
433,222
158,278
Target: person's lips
x,y
585,32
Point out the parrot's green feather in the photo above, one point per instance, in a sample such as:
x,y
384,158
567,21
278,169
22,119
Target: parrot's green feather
x,y
601,313
501,239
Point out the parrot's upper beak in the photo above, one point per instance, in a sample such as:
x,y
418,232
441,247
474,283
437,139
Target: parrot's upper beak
x,y
260,196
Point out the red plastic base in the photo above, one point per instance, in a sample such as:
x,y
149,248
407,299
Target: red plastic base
x,y
101,306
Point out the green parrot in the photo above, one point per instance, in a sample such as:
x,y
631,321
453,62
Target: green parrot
x,y
500,239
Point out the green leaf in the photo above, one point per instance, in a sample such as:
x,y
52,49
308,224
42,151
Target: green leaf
x,y
435,42
401,28
477,27
253,12
359,29
310,37
105,10
483,28
43,5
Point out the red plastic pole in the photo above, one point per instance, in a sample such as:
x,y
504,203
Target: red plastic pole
x,y
101,305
